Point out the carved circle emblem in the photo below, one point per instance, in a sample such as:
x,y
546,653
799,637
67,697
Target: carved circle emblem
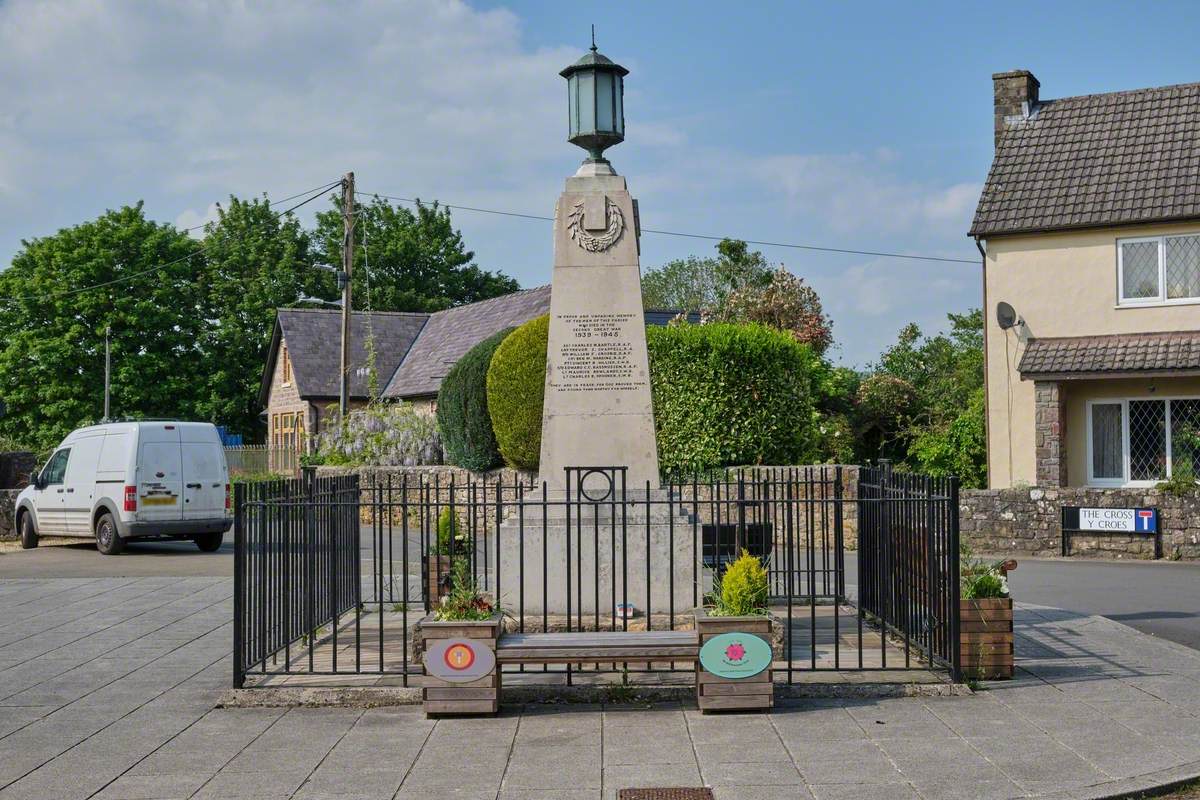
x,y
599,242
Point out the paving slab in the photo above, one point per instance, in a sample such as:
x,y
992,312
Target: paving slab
x,y
107,702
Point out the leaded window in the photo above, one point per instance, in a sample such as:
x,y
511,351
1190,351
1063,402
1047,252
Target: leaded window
x,y
1143,441
1158,269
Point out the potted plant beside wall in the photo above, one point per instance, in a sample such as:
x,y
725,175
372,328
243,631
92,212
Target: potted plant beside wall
x,y
458,644
735,641
986,619
453,544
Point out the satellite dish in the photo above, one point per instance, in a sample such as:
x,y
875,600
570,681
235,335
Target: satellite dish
x,y
1006,316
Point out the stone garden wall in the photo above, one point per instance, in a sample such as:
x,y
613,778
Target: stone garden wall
x,y
1029,522
8,504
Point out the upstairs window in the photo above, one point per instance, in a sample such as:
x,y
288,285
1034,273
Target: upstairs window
x,y
1158,269
287,365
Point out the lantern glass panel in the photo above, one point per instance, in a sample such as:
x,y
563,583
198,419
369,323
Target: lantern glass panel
x,y
604,101
619,100
587,102
573,104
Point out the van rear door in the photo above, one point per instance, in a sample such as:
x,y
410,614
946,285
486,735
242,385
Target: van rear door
x,y
204,472
159,473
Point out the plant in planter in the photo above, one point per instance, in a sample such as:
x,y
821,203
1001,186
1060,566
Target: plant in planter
x,y
986,618
453,544
735,633
459,649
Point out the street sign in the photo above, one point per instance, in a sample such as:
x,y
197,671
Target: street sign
x,y
1111,520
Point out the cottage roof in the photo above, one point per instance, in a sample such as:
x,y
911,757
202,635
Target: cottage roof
x,y
1096,160
313,338
1172,352
449,334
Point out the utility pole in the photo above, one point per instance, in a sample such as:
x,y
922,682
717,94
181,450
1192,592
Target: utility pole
x,y
344,280
107,370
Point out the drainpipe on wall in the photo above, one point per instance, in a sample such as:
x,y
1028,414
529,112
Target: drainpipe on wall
x,y
987,398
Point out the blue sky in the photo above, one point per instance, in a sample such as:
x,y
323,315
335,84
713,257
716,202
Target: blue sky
x,y
862,126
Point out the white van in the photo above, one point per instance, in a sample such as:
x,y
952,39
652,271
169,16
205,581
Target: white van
x,y
159,479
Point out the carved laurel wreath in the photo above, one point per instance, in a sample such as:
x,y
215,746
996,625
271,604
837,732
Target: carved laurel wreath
x,y
600,243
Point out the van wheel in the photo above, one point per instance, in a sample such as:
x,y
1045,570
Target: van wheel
x,y
108,541
29,537
209,542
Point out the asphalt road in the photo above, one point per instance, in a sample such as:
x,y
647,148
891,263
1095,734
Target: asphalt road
x,y
1158,598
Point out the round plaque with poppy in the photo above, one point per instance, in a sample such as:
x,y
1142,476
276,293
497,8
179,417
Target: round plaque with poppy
x,y
735,655
459,660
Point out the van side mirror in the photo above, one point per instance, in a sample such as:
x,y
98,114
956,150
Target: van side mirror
x,y
35,480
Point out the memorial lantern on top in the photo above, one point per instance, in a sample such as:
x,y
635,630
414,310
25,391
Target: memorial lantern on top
x,y
595,90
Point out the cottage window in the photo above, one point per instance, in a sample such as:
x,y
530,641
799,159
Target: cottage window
x,y
1139,442
1158,269
287,365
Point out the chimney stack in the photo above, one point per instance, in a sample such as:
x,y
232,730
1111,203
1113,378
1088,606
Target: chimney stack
x,y
1016,95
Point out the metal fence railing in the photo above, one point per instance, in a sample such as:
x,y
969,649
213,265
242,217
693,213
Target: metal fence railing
x,y
908,561
261,459
598,554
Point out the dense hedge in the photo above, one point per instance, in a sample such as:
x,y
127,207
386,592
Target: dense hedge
x,y
462,408
516,383
730,394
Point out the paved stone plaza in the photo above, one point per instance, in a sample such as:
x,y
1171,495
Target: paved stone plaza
x,y
109,686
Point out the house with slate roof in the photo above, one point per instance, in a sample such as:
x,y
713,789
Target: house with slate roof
x,y
1089,226
414,351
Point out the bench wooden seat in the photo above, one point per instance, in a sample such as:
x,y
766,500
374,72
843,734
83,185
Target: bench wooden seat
x,y
597,647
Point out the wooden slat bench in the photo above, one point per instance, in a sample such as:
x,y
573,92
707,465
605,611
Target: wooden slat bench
x,y
598,647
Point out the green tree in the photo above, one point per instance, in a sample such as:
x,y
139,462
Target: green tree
x,y
414,260
52,328
704,284
784,303
256,261
927,397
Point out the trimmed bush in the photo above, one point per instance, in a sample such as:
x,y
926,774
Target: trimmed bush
x,y
516,384
462,408
730,394
742,590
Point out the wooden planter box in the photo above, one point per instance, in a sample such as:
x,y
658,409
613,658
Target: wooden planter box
x,y
986,638
480,695
715,692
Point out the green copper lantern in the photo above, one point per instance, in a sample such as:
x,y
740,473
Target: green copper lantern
x,y
595,90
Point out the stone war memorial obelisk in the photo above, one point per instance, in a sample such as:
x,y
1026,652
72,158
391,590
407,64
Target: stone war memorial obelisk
x,y
576,553
597,410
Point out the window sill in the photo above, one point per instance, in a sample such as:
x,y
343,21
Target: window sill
x,y
1190,301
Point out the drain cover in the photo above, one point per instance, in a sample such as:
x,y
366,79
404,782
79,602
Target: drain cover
x,y
665,794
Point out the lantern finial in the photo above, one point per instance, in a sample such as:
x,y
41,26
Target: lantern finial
x,y
593,37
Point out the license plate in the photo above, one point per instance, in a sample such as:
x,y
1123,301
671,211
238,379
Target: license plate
x,y
158,501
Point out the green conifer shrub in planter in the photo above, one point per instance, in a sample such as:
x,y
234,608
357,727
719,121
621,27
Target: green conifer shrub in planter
x,y
462,409
735,634
453,545
516,385
458,645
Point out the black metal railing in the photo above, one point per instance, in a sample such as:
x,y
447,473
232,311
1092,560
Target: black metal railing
x,y
296,568
333,573
908,561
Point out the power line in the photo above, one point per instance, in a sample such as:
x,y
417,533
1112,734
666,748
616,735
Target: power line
x,y
709,237
319,192
274,203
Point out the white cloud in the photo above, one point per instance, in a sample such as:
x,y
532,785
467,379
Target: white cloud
x,y
188,102
857,192
191,218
